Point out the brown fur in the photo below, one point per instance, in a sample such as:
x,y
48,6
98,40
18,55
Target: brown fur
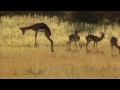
x,y
73,37
36,27
114,43
95,39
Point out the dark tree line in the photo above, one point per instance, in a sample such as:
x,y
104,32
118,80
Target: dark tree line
x,y
91,17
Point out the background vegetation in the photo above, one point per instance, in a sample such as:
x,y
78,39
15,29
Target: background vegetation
x,y
81,16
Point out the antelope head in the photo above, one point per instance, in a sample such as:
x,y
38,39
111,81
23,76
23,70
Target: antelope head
x,y
103,34
23,30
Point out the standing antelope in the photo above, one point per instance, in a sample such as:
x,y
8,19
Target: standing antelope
x,y
114,43
39,27
95,39
73,37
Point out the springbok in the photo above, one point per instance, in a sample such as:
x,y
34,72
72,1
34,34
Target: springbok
x,y
114,43
95,39
73,37
39,27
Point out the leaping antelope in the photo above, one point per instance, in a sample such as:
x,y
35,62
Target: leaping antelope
x,y
95,39
73,37
39,27
114,43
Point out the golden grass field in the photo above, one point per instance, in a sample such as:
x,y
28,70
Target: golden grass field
x,y
20,59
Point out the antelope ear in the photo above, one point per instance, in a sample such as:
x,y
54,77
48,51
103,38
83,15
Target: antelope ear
x,y
20,28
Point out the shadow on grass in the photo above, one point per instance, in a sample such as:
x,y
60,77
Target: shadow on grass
x,y
95,52
35,72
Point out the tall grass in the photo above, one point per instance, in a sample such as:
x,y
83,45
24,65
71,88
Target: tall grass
x,y
19,58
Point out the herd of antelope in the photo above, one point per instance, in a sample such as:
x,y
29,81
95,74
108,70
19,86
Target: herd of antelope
x,y
42,27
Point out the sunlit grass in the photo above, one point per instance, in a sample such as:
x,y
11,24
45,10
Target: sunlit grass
x,y
19,58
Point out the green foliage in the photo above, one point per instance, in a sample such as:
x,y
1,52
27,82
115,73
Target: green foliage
x,y
91,17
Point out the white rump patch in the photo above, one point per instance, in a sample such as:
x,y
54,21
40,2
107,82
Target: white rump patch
x,y
41,30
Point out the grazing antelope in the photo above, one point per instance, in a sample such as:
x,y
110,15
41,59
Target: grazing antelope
x,y
114,43
95,39
73,37
39,27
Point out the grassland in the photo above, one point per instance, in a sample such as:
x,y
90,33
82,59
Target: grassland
x,y
19,58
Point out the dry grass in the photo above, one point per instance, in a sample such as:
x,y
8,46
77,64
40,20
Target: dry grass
x,y
19,58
